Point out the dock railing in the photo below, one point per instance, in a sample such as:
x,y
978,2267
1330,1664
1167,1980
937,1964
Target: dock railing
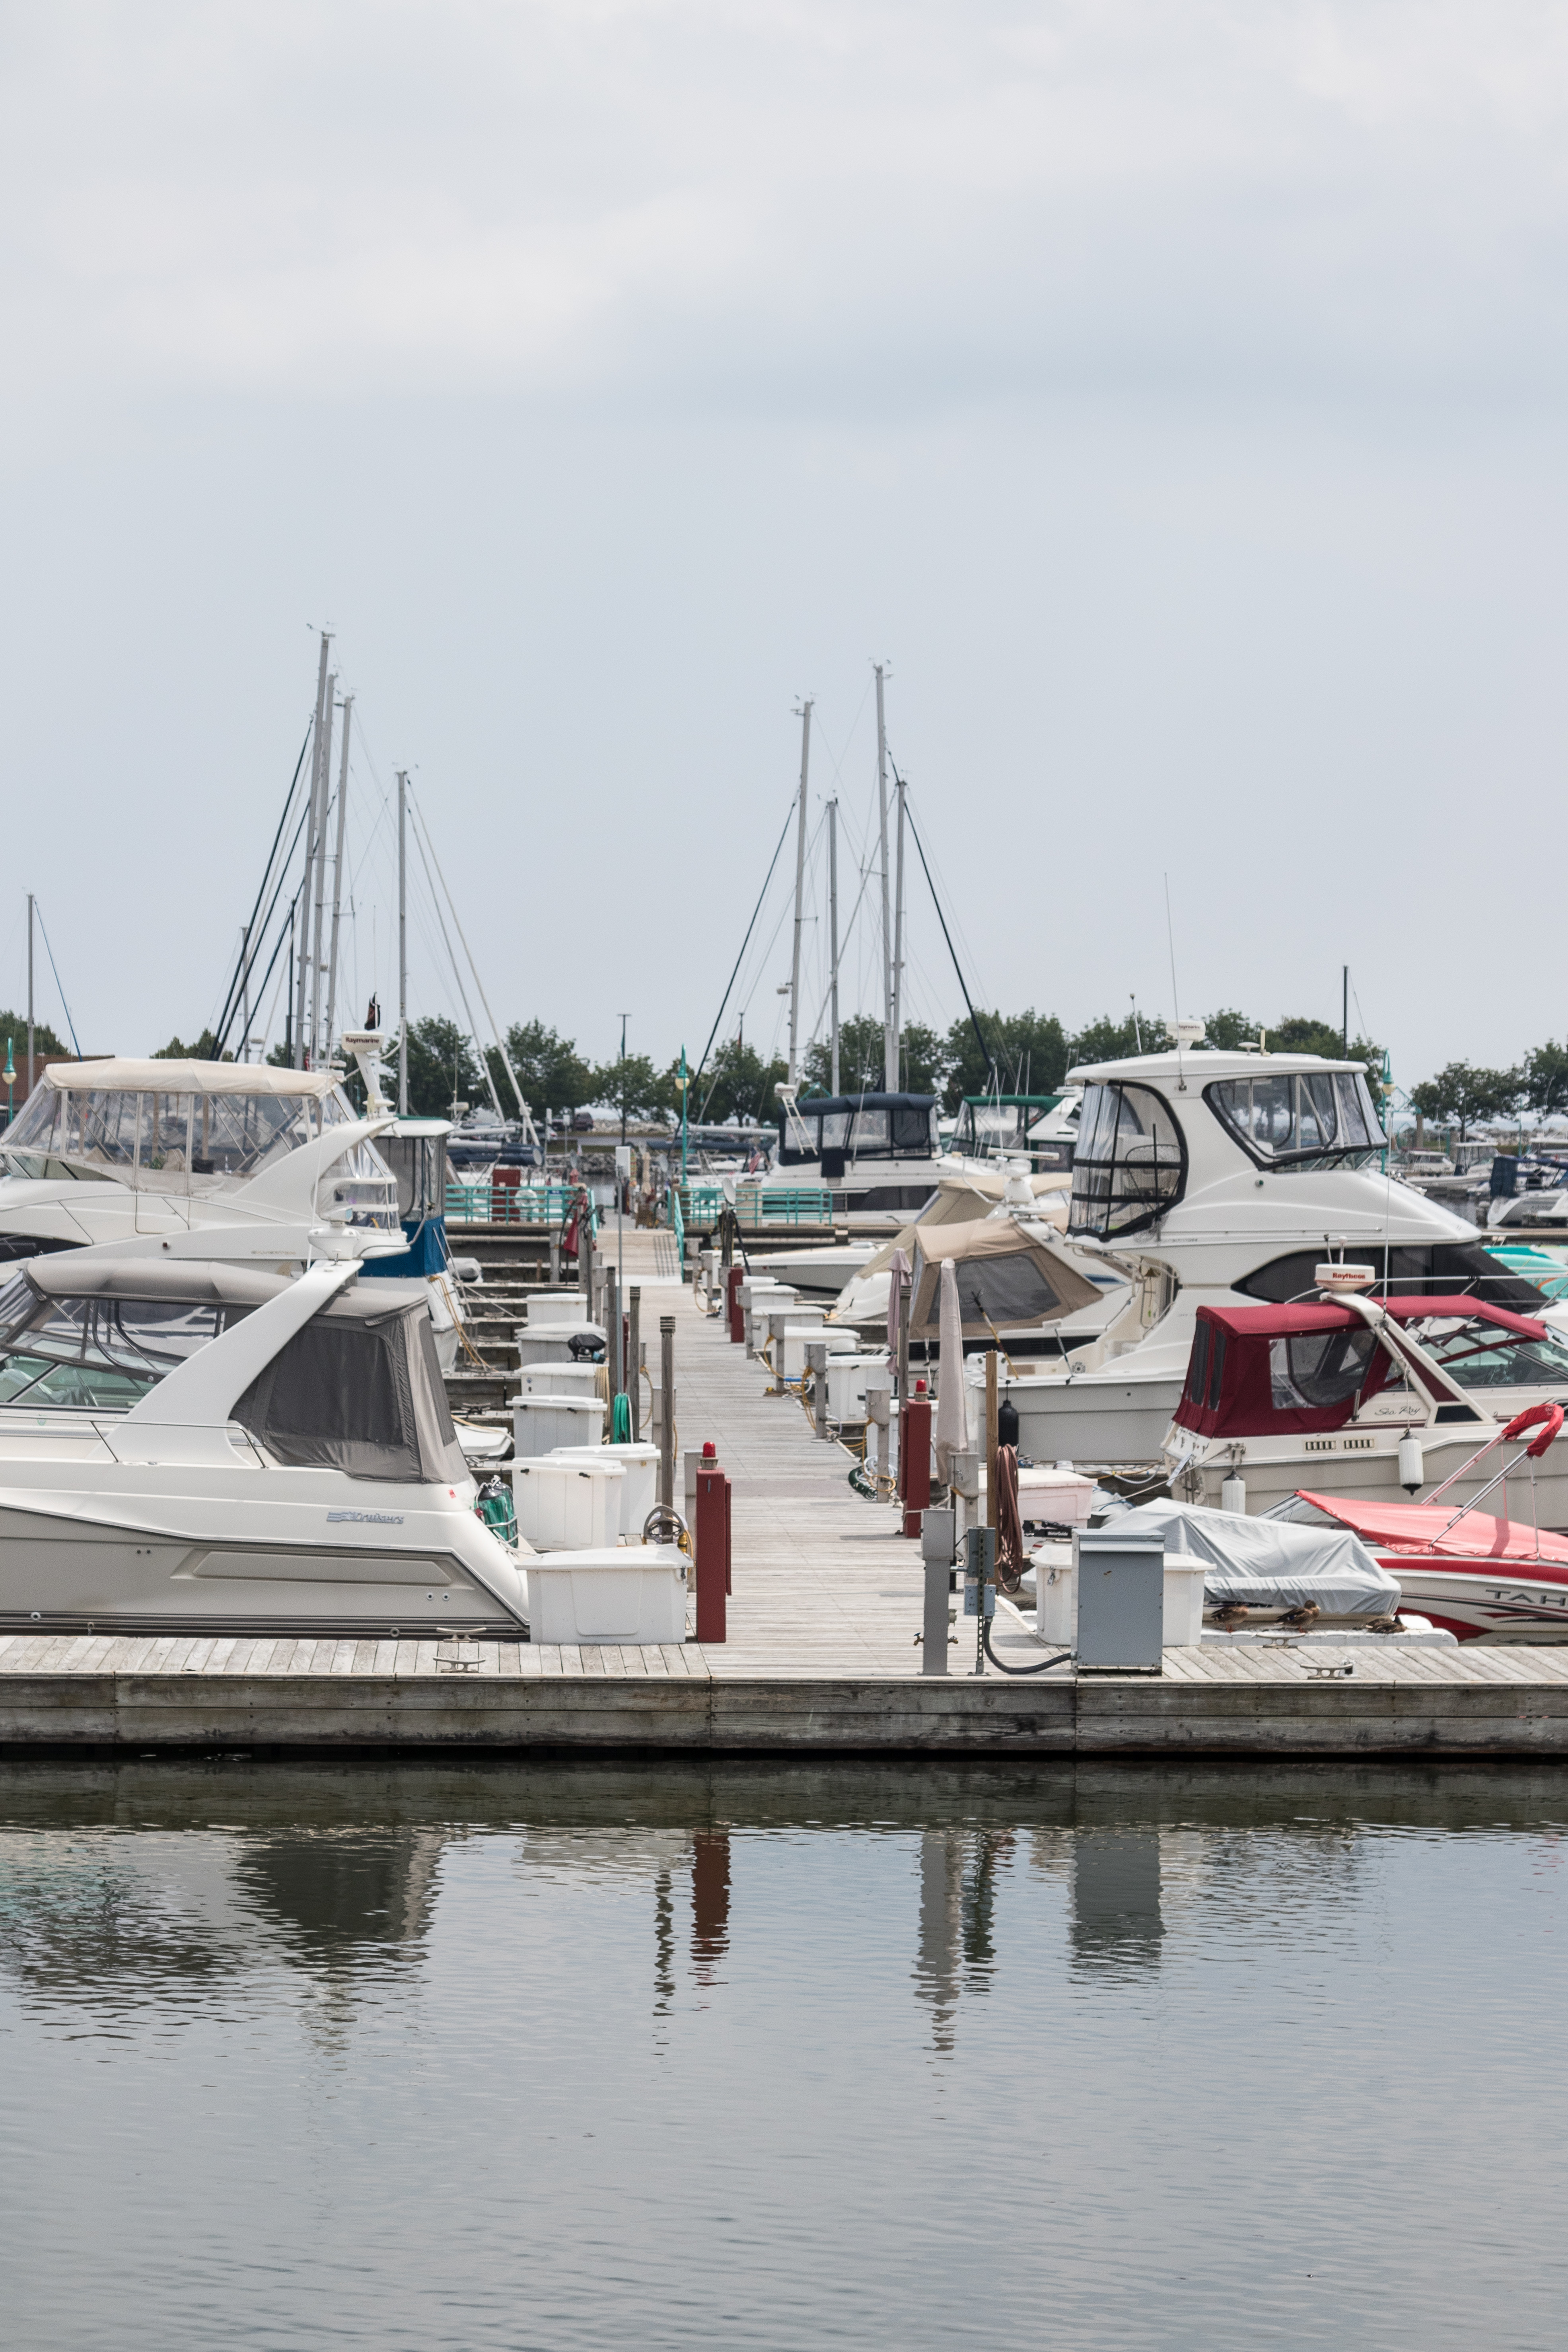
x,y
512,1204
758,1206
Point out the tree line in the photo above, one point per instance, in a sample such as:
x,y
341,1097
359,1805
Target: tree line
x,y
1464,1094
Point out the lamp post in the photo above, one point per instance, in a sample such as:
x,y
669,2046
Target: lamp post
x,y
683,1090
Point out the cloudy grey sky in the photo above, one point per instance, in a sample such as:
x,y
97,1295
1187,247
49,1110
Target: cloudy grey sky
x,y
1170,392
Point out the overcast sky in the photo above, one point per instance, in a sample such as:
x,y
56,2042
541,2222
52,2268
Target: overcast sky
x,y
1171,394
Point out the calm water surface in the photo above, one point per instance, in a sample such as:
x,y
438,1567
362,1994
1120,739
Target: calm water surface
x,y
588,2056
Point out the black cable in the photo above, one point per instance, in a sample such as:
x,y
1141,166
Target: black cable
x,y
751,926
1040,1669
282,877
952,951
247,952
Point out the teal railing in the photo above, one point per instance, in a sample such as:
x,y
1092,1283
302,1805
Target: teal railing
x,y
510,1204
759,1205
678,1226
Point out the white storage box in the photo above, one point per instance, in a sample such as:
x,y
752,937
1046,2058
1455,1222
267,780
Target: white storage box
x,y
1061,1496
634,1593
640,1485
567,1505
550,1308
541,1424
1056,1598
546,1345
847,1385
561,1380
764,1307
790,1344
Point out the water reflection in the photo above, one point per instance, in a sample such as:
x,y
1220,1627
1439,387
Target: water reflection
x,y
1116,1918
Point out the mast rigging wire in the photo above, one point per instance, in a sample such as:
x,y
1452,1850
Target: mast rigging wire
x,y
751,926
71,1025
248,949
992,1085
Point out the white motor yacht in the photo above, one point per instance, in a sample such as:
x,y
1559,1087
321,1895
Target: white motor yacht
x,y
208,1444
116,1151
1216,1178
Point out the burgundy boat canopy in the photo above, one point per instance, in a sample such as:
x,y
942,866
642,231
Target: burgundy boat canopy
x,y
1256,1372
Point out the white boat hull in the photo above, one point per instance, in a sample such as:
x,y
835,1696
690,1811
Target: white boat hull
x,y
1094,1420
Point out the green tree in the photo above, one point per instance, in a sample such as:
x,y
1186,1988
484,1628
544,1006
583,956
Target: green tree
x,y
1227,1031
1110,1040
15,1027
1300,1035
737,1084
1464,1094
633,1085
1028,1052
1545,1077
550,1070
441,1068
204,1050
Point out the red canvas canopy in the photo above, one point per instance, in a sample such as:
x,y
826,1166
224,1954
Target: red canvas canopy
x,y
1257,1371
1424,1528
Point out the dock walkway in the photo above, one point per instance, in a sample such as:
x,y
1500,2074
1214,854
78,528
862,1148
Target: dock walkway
x,y
821,1651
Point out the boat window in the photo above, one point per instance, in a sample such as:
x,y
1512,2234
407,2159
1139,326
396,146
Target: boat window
x,y
1402,1272
165,1133
1481,1355
238,1135
1005,1291
871,1134
334,1109
1198,1367
834,1131
1130,1164
914,1131
97,1355
33,1126
1308,1120
1310,1370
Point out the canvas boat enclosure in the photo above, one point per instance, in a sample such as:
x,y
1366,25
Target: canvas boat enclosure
x,y
840,1130
1263,1371
1267,1566
359,1390
1008,1279
80,1334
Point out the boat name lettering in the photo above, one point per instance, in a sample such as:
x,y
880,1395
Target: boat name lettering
x,y
1336,1445
366,1518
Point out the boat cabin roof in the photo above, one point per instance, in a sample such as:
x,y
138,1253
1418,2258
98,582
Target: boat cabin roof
x,y
1197,1065
112,1074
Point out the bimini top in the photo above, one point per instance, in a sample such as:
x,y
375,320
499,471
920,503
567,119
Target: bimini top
x,y
1006,1279
189,1077
1257,1371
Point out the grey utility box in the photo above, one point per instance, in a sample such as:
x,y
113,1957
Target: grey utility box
x,y
1120,1600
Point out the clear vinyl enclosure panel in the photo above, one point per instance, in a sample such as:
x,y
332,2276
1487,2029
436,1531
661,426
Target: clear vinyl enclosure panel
x,y
1313,1118
1131,1162
96,1355
163,1142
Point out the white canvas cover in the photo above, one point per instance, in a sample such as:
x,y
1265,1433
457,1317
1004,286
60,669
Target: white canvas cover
x,y
1268,1563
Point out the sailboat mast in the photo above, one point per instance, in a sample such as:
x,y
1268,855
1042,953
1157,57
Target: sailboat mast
x,y
318,906
890,1047
799,895
29,994
338,877
898,932
833,929
403,941
299,977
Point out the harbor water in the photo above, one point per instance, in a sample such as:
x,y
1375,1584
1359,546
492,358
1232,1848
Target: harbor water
x,y
505,2055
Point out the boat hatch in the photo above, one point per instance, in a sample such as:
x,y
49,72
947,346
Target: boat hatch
x,y
1310,1118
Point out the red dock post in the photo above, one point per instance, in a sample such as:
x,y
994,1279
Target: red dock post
x,y
732,1281
711,1538
914,1458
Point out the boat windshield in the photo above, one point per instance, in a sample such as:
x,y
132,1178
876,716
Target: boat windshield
x,y
1314,1119
1482,1355
361,1192
96,1355
1130,1164
163,1140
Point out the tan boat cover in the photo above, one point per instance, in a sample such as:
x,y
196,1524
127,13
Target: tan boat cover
x,y
120,1076
1006,1279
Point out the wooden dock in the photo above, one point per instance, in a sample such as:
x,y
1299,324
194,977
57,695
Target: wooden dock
x,y
823,1653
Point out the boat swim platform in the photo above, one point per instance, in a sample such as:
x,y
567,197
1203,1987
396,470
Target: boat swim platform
x,y
822,1653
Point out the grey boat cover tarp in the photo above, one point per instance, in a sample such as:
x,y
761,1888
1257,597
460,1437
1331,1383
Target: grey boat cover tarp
x,y
1270,1563
360,1390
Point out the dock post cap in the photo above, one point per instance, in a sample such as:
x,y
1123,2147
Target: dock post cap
x,y
710,1450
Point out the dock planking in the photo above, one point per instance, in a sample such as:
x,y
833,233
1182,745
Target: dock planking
x,y
821,1654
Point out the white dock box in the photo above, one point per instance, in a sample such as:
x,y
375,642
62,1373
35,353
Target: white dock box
x,y
639,1487
541,1424
561,1379
551,1344
1056,1598
549,1307
567,1505
765,1305
791,1341
847,1385
636,1592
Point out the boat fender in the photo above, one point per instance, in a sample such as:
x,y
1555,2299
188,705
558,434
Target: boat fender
x,y
1411,1464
